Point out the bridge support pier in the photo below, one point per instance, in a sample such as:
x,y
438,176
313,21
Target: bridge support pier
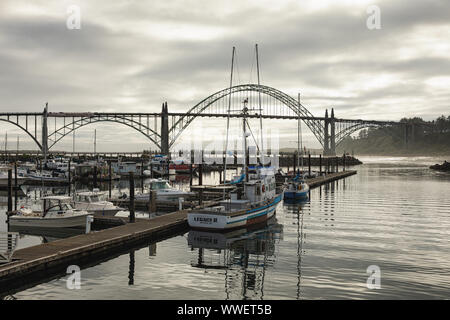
x,y
333,134
45,134
165,129
326,137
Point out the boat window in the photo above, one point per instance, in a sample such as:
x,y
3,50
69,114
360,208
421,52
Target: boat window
x,y
159,185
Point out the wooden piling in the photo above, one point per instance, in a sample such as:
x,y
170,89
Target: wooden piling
x,y
110,178
132,215
190,174
68,175
294,161
95,176
200,174
343,162
15,185
9,189
309,164
320,164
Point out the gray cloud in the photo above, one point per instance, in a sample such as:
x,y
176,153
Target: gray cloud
x,y
133,55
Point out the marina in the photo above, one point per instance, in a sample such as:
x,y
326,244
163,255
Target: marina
x,y
229,152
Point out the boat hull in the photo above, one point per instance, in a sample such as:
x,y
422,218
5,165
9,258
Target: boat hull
x,y
291,195
76,221
217,222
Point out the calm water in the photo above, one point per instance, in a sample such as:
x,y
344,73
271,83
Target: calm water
x,y
394,214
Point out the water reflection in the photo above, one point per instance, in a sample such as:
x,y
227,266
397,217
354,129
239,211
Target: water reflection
x,y
47,234
243,254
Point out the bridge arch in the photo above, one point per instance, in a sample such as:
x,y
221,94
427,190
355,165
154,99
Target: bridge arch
x,y
81,122
24,129
347,131
182,123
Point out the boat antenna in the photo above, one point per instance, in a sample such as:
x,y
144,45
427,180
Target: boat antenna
x,y
228,119
259,100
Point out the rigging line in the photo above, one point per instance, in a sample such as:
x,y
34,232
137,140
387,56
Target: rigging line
x,y
251,132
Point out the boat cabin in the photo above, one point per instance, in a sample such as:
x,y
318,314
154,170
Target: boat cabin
x,y
59,204
90,196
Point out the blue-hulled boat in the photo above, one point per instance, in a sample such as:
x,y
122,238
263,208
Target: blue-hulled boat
x,y
296,189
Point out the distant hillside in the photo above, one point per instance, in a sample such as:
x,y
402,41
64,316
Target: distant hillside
x,y
433,139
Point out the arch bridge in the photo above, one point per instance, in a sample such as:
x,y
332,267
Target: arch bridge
x,y
329,130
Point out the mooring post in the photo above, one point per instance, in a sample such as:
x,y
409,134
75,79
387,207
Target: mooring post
x,y
200,173
309,164
320,165
95,176
294,161
110,178
343,162
68,175
9,190
15,185
142,175
132,216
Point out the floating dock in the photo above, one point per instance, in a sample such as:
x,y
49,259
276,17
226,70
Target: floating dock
x,y
41,259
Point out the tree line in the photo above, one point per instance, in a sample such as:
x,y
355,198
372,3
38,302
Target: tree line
x,y
427,137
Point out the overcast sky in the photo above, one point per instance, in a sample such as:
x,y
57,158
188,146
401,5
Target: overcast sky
x,y
133,55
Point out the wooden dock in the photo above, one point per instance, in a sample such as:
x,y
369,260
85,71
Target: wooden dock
x,y
47,259
318,181
68,251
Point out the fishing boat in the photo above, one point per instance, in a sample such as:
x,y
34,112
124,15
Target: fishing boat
x,y
46,176
55,212
254,201
296,187
163,191
95,202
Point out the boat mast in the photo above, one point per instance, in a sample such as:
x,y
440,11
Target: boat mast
x,y
228,120
261,149
299,137
244,131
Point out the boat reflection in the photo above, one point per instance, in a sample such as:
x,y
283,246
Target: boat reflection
x,y
47,234
243,255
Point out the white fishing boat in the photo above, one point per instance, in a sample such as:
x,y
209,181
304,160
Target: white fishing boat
x,y
254,201
95,202
163,191
55,212
46,176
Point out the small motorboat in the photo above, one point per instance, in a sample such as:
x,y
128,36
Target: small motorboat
x,y
95,202
56,212
163,191
296,188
